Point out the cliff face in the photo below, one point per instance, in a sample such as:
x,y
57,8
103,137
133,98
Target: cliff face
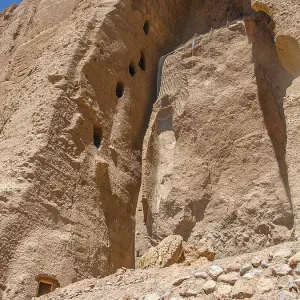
x,y
219,163
77,83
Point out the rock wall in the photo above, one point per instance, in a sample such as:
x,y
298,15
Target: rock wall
x,y
220,165
76,91
220,155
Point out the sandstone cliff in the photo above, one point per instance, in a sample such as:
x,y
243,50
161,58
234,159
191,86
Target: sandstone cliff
x,y
124,122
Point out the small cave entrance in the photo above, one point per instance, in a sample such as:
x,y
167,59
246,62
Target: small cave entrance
x,y
142,62
131,69
146,27
46,284
120,89
97,137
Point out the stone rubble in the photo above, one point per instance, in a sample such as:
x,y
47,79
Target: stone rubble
x,y
248,278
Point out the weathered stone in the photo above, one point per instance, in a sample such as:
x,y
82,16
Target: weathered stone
x,y
234,267
265,264
242,289
215,271
297,269
150,297
256,261
191,293
282,254
223,290
281,270
284,282
245,268
294,260
265,285
180,280
166,253
252,274
202,275
285,295
230,278
209,286
297,282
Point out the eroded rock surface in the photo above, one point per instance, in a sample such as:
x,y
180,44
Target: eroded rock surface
x,y
214,158
91,175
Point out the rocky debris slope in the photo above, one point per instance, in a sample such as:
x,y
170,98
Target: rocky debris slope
x,y
166,253
272,274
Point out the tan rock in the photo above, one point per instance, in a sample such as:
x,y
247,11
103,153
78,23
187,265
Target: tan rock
x,y
242,289
252,274
150,297
245,268
202,275
166,253
223,290
285,295
180,280
282,254
230,278
294,260
209,286
234,267
191,293
281,270
256,261
284,282
265,285
215,271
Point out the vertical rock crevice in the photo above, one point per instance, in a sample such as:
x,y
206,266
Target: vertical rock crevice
x,y
272,82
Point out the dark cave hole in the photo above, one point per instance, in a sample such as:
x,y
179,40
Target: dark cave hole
x,y
97,137
44,288
120,89
131,69
146,27
142,62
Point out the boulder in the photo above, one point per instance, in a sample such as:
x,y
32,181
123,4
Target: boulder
x,y
242,289
245,268
285,295
209,286
294,260
282,254
256,261
166,253
281,270
252,274
215,271
234,267
153,296
202,275
230,278
181,279
223,291
265,285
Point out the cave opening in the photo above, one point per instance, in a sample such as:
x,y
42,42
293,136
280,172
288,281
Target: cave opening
x,y
97,137
142,62
131,69
44,288
46,284
120,89
146,27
